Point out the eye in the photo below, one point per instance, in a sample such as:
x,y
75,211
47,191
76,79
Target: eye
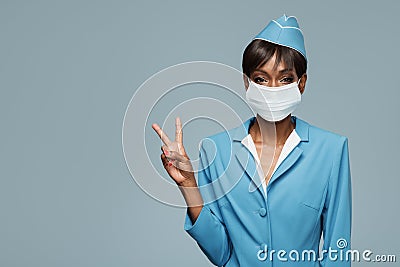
x,y
260,80
287,80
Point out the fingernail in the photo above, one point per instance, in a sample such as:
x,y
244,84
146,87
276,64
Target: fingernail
x,y
169,164
166,152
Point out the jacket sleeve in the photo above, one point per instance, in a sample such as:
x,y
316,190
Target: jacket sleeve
x,y
209,230
337,210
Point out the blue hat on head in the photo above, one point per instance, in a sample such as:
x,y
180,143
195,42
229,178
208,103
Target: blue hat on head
x,y
284,31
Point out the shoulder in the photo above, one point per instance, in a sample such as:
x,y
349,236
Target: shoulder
x,y
218,140
327,135
224,139
326,142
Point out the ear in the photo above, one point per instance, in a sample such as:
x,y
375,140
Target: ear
x,y
246,81
302,84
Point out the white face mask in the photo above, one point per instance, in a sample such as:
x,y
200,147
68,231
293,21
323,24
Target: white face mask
x,y
273,103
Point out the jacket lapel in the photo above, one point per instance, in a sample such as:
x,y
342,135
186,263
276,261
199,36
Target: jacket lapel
x,y
288,162
302,129
244,156
248,164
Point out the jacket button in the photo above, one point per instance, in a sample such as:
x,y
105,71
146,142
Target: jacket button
x,y
262,212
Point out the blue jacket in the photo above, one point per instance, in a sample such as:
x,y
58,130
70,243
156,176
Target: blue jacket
x,y
308,194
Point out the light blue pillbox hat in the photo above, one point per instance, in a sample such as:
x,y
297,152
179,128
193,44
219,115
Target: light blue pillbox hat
x,y
284,31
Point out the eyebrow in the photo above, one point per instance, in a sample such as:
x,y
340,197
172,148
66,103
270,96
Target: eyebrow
x,y
281,71
286,70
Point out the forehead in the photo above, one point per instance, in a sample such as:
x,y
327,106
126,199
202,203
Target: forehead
x,y
274,65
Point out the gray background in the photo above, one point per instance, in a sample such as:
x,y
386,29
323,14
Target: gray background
x,y
69,68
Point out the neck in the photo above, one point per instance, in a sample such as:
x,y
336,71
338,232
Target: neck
x,y
271,133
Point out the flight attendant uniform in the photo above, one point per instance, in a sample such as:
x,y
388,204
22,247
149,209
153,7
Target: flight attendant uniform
x,y
243,221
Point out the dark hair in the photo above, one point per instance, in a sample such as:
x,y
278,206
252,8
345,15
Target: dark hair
x,y
258,52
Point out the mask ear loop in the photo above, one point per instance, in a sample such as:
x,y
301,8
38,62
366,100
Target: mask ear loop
x,y
249,81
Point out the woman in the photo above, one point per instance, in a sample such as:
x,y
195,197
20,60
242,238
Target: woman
x,y
242,219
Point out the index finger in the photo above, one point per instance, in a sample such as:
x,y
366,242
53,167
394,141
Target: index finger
x,y
161,134
178,131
